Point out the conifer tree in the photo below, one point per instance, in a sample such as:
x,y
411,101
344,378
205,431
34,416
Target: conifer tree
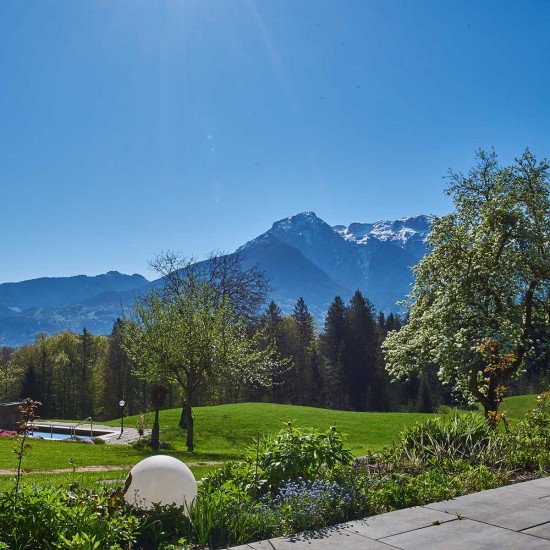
x,y
87,361
334,352
363,365
307,378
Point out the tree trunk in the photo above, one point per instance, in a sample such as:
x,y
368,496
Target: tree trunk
x,y
183,419
488,407
189,422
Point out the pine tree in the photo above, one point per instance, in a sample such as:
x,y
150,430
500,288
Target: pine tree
x,y
334,352
363,365
30,387
307,387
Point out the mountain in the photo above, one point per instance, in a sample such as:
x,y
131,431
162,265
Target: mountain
x,y
64,303
57,291
302,256
373,257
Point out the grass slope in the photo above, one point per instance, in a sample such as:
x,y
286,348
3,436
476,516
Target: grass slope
x,y
225,431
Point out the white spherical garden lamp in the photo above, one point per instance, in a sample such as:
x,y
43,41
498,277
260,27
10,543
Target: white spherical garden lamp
x,y
162,480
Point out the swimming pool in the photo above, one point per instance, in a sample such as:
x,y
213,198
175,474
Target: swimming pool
x,y
58,433
52,435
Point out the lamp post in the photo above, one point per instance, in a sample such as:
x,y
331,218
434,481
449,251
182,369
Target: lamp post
x,y
121,404
158,395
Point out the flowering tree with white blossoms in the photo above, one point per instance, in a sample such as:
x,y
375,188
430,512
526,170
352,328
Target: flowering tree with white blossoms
x,y
482,289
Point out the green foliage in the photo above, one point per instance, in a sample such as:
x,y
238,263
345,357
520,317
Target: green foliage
x,y
398,489
65,518
284,467
296,453
160,527
461,437
28,410
486,276
227,516
310,504
290,455
528,443
190,333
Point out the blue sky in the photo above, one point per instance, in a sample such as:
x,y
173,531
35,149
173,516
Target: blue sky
x,y
129,128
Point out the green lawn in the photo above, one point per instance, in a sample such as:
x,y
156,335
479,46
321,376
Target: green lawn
x,y
221,433
516,407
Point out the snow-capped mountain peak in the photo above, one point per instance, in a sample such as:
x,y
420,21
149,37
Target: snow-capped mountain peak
x,y
409,232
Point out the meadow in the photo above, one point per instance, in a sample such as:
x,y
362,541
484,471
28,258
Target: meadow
x,y
223,433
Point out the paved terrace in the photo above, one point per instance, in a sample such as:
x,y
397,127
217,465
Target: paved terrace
x,y
516,517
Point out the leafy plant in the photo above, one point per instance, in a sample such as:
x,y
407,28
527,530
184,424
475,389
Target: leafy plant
x,y
227,516
441,440
296,453
305,504
527,445
290,455
35,517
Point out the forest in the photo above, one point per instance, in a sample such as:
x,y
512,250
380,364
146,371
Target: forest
x,y
339,366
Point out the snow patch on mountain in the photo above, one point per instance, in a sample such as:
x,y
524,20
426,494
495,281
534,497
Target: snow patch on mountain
x,y
410,232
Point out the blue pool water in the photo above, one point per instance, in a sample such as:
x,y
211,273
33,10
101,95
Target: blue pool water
x,y
55,436
58,433
48,435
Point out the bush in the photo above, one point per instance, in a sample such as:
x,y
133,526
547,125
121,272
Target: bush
x,y
527,445
290,455
292,481
145,445
35,517
228,516
446,440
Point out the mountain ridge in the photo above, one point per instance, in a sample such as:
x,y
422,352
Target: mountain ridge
x,y
302,255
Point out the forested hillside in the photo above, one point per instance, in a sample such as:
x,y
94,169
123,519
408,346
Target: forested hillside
x,y
341,367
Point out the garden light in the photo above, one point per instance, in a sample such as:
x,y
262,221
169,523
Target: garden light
x,y
162,480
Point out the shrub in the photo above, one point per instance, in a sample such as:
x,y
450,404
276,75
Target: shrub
x,y
296,453
527,445
290,455
160,527
145,445
446,440
228,516
35,517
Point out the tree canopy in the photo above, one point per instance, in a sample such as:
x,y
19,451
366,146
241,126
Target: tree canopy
x,y
482,290
188,332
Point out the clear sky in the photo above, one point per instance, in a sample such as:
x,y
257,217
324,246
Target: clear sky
x,y
128,128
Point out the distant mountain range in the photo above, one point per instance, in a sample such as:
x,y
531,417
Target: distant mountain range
x,y
302,255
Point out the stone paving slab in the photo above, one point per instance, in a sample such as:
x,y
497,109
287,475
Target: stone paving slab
x,y
508,510
538,488
394,523
542,531
466,535
334,538
508,518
